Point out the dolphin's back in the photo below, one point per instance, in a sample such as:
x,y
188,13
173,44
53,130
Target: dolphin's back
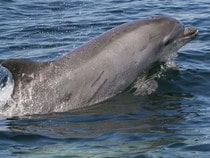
x,y
92,48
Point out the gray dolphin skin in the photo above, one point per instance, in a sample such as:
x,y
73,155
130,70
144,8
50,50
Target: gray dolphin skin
x,y
96,71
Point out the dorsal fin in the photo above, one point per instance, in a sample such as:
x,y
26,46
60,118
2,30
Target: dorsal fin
x,y
21,68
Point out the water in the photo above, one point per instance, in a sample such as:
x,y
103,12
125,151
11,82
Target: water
x,y
173,121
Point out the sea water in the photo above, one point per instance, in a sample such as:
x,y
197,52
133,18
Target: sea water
x,y
171,121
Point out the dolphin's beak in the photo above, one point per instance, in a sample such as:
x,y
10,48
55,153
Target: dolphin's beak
x,y
190,32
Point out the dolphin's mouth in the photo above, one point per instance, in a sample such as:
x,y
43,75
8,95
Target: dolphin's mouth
x,y
190,32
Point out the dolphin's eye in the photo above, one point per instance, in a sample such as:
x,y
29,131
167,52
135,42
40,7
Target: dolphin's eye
x,y
167,42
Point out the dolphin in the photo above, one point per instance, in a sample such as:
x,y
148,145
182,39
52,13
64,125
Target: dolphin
x,y
96,71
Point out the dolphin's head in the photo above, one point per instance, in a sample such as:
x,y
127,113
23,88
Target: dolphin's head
x,y
172,34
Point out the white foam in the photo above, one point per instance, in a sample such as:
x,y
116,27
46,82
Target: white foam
x,y
146,85
6,86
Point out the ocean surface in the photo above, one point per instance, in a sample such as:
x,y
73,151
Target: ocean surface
x,y
173,121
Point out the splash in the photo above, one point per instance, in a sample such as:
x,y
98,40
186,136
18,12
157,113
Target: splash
x,y
146,83
6,85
